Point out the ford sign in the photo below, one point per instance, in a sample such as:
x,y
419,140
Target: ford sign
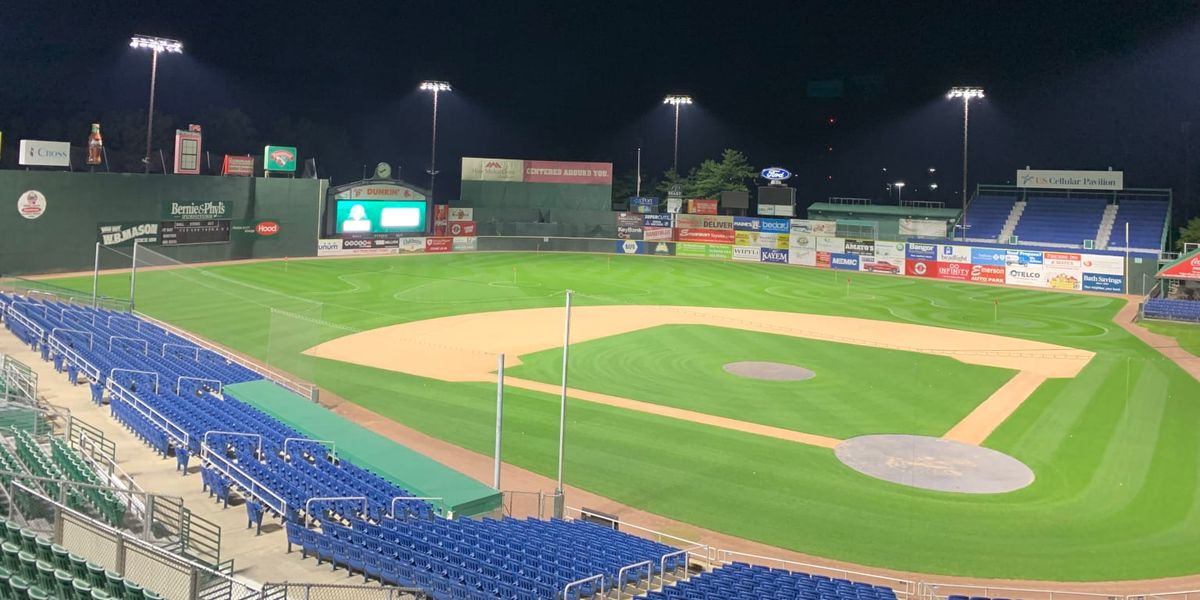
x,y
776,174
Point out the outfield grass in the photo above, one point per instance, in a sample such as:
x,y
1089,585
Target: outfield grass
x,y
1115,450
858,390
1187,334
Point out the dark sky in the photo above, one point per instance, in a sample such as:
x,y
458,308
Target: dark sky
x,y
1070,84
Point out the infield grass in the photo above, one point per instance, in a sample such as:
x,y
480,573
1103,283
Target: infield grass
x,y
1115,450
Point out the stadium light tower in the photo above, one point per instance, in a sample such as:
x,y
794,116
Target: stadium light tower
x,y
677,100
436,87
155,45
900,190
967,94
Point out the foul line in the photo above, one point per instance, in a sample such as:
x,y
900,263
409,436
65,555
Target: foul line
x,y
977,426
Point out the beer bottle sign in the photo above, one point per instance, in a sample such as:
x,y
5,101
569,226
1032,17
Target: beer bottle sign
x,y
95,146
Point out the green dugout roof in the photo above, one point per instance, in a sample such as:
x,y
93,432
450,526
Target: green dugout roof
x,y
885,210
407,468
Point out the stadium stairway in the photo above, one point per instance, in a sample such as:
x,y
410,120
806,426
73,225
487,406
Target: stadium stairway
x,y
258,558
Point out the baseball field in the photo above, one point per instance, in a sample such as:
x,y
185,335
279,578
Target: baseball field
x,y
657,421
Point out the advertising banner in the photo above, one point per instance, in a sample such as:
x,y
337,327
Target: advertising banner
x,y
874,264
698,206
557,171
1023,257
823,259
1103,264
660,248
916,251
126,233
383,191
629,233
629,247
238,166
1103,282
747,224
1071,180
493,169
1028,275
843,262
747,253
777,210
465,244
187,151
718,251
802,240
989,256
860,247
774,255
712,236
890,251
746,238
31,204
987,274
643,205
195,209
458,213
462,228
657,234
935,228
802,256
279,159
1187,267
628,219
954,271
828,228
832,245
954,254
335,247
441,219
704,221
658,220
439,244
776,226
1061,279
773,240
40,153
360,243
917,267
674,205
414,244
1068,261
690,249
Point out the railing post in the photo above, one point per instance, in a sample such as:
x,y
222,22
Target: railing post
x,y
194,583
119,559
146,531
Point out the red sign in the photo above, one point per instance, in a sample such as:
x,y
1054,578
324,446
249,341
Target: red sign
x,y
710,236
441,217
987,274
702,207
920,268
1187,267
554,171
462,228
439,244
238,166
823,259
955,271
266,228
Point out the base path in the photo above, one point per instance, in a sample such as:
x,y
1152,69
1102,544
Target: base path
x,y
465,347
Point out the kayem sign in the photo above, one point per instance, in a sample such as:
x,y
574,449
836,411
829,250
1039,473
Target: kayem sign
x,y
1071,180
40,153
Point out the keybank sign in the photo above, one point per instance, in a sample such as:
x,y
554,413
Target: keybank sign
x,y
219,209
40,153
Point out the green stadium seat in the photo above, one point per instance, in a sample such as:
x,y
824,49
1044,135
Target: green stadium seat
x,y
95,575
62,558
83,589
63,581
78,566
36,593
11,560
28,565
19,587
133,591
29,541
44,549
45,575
114,584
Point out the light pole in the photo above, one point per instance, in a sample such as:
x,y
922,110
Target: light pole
x,y
155,45
677,100
967,94
900,192
436,87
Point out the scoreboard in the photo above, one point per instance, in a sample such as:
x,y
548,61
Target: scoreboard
x,y
180,233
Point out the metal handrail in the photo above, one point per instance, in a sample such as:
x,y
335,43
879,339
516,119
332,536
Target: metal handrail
x,y
12,312
300,439
308,504
91,336
662,564
725,556
179,383
206,454
195,355
111,372
127,318
242,433
76,358
132,400
620,585
579,582
145,344
392,514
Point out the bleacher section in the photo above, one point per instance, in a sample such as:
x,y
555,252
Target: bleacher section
x,y
986,216
1172,310
65,463
1063,221
1146,220
170,392
739,580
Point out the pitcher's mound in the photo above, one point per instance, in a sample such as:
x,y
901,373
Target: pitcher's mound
x,y
771,371
934,464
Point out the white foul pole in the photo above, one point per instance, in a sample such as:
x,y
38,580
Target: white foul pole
x,y
1127,261
499,419
133,275
562,410
95,274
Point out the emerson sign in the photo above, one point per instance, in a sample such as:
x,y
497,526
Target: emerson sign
x,y
1071,180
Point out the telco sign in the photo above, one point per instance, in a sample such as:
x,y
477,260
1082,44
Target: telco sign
x,y
776,174
39,153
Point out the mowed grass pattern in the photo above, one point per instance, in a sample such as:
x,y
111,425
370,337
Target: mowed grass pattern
x,y
857,390
1115,449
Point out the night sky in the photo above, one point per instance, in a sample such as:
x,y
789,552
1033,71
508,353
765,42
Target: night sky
x,y
1070,84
